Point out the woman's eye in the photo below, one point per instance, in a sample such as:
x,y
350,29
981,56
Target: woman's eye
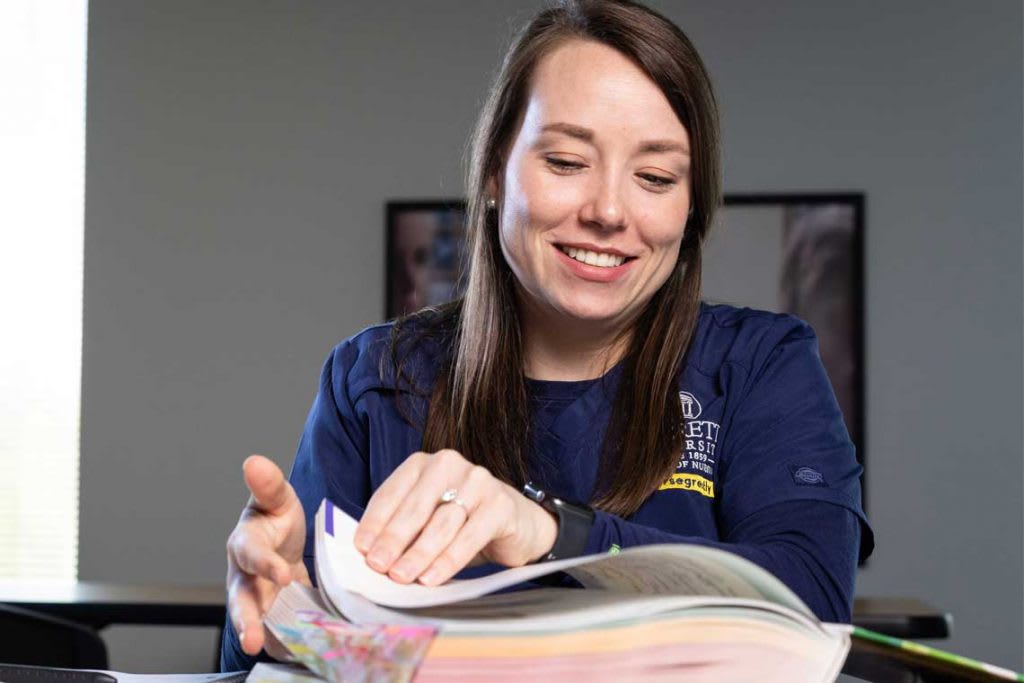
x,y
563,165
656,180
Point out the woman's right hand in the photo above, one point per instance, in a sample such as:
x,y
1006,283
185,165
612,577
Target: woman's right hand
x,y
264,550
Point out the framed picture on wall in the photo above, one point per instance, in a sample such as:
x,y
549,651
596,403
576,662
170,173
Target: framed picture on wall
x,y
801,254
791,253
425,253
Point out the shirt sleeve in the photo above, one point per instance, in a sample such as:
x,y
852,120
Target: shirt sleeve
x,y
786,439
331,462
808,545
790,481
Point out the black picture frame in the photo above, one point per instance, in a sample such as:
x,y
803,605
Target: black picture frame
x,y
852,206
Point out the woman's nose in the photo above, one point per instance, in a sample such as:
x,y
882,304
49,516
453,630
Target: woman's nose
x,y
604,208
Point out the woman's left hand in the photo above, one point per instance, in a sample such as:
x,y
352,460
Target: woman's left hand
x,y
411,534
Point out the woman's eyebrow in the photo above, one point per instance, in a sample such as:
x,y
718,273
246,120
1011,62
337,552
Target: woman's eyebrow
x,y
587,135
572,130
656,146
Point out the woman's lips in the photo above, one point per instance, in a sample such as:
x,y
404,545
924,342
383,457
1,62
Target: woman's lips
x,y
592,273
587,246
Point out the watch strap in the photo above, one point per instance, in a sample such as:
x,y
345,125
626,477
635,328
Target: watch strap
x,y
574,523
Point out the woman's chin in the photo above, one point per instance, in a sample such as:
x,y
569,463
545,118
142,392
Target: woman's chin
x,y
598,313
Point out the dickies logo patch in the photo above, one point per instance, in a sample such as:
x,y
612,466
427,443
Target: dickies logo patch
x,y
807,476
691,406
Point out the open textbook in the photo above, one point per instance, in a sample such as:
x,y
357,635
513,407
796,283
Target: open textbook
x,y
649,613
653,613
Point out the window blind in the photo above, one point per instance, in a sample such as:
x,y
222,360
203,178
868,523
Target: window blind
x,y
42,168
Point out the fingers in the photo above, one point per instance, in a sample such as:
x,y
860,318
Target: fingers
x,y
438,534
270,530
244,608
255,573
257,558
271,492
386,499
480,528
416,507
408,533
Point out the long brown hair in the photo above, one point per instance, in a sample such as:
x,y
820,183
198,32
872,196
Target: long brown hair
x,y
479,404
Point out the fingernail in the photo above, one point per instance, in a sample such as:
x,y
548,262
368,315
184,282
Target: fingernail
x,y
401,571
379,559
430,576
364,539
241,638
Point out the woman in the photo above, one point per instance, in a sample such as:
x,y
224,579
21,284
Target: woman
x,y
580,360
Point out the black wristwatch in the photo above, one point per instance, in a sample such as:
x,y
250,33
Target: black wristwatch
x,y
574,523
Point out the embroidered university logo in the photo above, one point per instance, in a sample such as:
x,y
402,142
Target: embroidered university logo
x,y
691,406
696,468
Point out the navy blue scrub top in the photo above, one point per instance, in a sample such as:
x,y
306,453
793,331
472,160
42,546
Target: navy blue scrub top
x,y
767,469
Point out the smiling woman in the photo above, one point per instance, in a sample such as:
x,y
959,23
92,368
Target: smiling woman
x,y
593,210
579,397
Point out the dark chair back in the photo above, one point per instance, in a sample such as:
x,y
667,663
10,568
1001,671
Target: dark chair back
x,y
28,637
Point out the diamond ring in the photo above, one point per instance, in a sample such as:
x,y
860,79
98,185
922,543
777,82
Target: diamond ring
x,y
452,496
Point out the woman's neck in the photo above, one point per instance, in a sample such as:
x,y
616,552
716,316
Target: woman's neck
x,y
555,350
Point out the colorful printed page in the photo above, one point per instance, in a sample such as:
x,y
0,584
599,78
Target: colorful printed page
x,y
341,652
675,569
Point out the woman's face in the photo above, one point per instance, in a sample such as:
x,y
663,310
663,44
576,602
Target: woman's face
x,y
596,188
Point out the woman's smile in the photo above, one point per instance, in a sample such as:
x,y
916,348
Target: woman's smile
x,y
594,264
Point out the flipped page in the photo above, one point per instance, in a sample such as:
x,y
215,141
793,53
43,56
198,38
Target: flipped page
x,y
676,569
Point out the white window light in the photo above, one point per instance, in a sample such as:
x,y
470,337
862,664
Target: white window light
x,y
42,170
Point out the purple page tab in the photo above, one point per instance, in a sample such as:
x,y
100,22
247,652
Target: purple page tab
x,y
329,518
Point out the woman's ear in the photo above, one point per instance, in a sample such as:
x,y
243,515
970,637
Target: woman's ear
x,y
492,188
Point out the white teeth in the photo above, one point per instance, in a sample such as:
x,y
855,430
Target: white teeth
x,y
593,258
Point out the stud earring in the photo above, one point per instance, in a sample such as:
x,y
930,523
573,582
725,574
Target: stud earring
x,y
492,203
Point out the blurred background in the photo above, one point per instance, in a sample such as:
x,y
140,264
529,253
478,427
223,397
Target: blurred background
x,y
238,157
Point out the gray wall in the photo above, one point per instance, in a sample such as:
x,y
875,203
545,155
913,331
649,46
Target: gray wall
x,y
238,158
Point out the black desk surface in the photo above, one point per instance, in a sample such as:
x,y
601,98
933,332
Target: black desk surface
x,y
99,604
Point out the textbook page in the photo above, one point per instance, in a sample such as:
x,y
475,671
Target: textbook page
x,y
684,570
558,609
674,569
